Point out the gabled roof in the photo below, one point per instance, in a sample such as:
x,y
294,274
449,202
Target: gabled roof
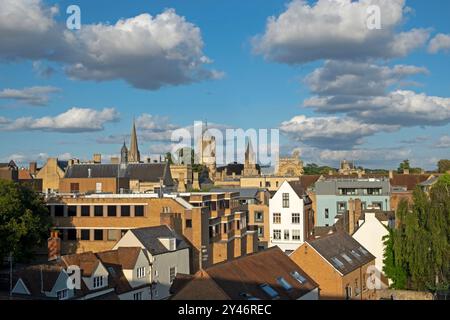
x,y
257,275
308,180
343,252
149,237
10,164
300,190
410,181
87,261
37,277
126,257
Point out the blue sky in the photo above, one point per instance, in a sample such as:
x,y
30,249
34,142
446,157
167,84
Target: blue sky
x,y
254,89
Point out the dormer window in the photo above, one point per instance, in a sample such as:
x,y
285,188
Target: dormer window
x,y
63,294
140,272
98,282
169,243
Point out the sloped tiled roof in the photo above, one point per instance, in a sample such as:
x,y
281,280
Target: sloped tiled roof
x,y
149,237
87,261
35,276
125,257
243,277
343,252
410,181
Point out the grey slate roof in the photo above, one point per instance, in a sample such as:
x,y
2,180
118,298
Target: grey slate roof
x,y
148,172
341,246
149,238
244,193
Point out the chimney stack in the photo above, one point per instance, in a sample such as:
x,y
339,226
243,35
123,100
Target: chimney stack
x,y
33,167
54,246
391,174
405,171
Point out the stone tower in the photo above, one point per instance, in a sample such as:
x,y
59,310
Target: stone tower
x,y
134,156
124,154
208,152
250,161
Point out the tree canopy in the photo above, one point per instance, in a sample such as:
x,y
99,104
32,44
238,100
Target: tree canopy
x,y
417,254
24,221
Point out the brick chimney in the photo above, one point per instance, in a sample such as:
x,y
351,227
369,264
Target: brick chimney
x,y
54,246
351,216
33,167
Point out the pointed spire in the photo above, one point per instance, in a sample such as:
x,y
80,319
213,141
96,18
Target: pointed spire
x,y
134,155
249,154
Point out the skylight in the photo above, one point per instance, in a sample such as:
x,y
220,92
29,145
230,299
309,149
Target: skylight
x,y
347,258
248,296
297,276
112,272
337,263
269,290
356,254
363,251
282,281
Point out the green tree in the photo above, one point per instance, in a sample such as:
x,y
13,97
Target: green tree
x,y
169,158
443,165
405,165
24,221
417,254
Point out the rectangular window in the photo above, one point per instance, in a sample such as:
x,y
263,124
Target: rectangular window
x,y
286,234
59,211
377,205
277,218
85,211
125,211
374,191
98,211
296,235
260,231
327,213
74,188
98,282
113,235
259,216
276,234
341,207
285,200
72,234
140,272
85,234
172,273
188,223
139,211
348,292
98,235
137,296
296,218
63,294
98,187
348,191
72,211
112,211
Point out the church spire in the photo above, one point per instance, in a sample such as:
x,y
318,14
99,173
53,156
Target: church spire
x,y
134,155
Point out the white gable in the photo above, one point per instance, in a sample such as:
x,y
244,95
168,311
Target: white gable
x,y
20,288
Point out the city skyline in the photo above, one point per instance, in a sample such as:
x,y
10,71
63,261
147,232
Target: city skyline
x,y
373,96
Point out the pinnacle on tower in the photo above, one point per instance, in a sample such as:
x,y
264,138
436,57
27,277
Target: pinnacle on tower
x,y
134,155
